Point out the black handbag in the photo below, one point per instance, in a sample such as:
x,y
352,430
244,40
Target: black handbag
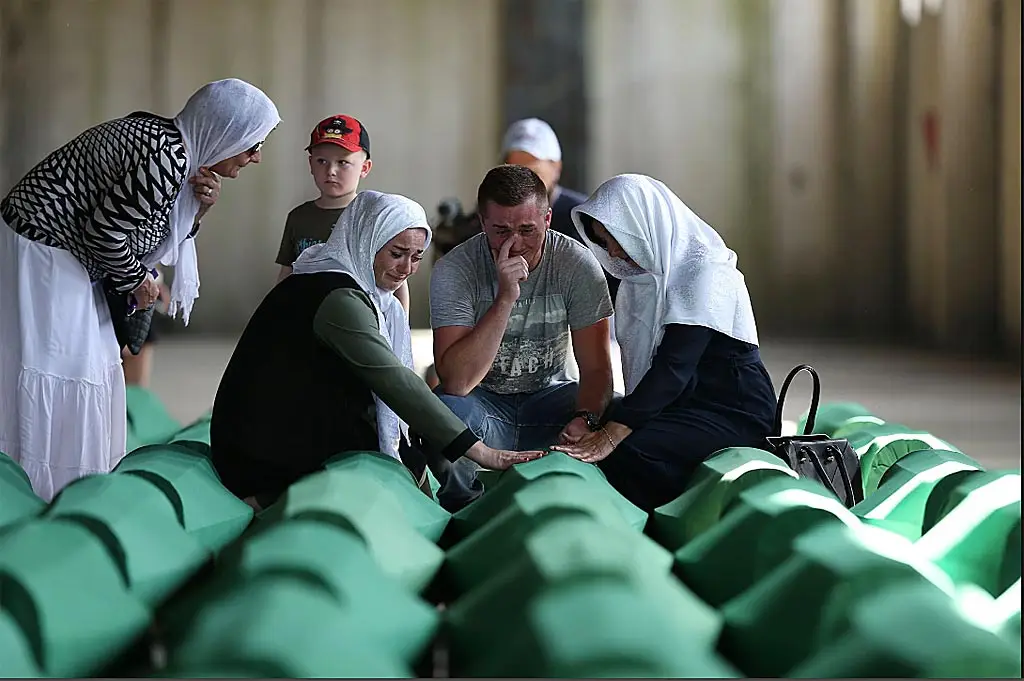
x,y
832,462
131,326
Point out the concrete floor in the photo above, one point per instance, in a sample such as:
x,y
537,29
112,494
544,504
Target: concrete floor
x,y
976,405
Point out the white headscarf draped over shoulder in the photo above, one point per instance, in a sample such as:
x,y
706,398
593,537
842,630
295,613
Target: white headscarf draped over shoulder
x,y
687,274
364,228
220,120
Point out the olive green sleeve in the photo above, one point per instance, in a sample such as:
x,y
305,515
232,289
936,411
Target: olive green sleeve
x,y
347,323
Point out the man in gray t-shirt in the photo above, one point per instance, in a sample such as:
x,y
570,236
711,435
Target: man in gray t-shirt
x,y
504,306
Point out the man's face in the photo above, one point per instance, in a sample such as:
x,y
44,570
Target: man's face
x,y
337,171
526,225
548,171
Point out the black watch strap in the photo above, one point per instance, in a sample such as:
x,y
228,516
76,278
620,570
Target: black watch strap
x,y
593,420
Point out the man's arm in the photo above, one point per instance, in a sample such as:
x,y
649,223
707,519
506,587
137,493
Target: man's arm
x,y
589,308
464,354
283,272
592,347
464,350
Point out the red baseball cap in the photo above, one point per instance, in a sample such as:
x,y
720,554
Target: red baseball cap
x,y
342,130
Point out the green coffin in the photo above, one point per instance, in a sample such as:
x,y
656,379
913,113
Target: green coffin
x,y
17,500
832,416
900,500
807,600
139,525
388,613
423,513
148,420
68,597
279,627
371,513
715,483
16,657
756,535
974,536
601,626
912,631
211,514
556,542
498,497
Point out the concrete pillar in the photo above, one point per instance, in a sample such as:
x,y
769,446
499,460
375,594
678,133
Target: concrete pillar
x,y
1009,176
969,67
544,75
869,188
808,263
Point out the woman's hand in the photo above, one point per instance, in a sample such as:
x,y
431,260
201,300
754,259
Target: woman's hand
x,y
147,293
598,445
206,186
499,459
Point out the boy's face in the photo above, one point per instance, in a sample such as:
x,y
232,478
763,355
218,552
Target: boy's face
x,y
337,171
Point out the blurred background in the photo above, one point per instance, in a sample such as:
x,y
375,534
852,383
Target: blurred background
x,y
861,156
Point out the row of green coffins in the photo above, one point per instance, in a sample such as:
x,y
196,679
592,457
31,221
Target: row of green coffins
x,y
751,572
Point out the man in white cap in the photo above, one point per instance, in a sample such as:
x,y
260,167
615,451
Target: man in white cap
x,y
532,143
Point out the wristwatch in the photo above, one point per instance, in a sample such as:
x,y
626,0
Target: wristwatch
x,y
592,420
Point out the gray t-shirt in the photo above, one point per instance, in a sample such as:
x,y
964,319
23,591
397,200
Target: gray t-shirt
x,y
567,291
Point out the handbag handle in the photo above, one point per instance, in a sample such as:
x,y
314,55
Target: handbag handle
x,y
813,412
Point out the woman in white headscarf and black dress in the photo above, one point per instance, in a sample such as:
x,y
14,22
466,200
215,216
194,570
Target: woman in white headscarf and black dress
x,y
325,363
87,226
694,379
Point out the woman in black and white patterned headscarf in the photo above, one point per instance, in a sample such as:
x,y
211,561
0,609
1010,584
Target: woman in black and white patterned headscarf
x,y
100,213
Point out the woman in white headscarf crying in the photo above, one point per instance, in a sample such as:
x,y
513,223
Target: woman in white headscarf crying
x,y
325,363
81,237
693,374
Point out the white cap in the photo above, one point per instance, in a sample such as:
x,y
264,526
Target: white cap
x,y
533,136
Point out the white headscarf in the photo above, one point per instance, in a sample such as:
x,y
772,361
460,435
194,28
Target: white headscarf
x,y
687,274
220,120
366,226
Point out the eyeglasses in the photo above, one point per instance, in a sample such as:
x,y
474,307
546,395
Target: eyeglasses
x,y
255,149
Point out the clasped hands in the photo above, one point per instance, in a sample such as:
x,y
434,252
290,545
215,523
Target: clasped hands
x,y
579,442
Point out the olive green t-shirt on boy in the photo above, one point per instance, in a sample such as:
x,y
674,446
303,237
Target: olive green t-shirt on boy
x,y
306,225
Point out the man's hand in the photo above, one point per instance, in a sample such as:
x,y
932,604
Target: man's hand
x,y
498,459
511,271
574,431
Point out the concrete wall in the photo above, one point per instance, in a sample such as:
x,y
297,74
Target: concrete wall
x,y
866,170
419,75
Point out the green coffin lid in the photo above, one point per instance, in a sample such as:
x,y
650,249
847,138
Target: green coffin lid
x,y
496,498
601,626
281,628
755,535
211,514
715,483
139,525
899,502
59,583
371,513
788,614
975,535
911,630
423,513
148,420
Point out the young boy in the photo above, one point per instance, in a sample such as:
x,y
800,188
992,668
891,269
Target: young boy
x,y
339,157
